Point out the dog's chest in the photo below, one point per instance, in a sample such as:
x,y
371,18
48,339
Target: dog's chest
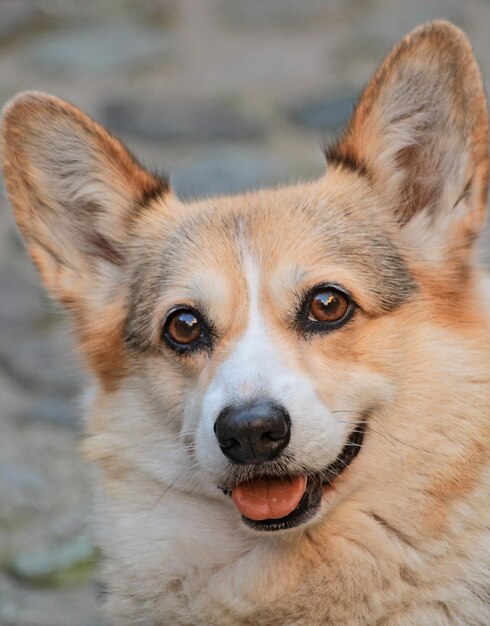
x,y
188,568
191,562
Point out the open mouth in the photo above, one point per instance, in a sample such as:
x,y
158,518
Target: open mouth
x,y
269,504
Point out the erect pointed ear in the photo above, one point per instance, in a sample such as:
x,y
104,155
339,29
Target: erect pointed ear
x,y
74,189
420,131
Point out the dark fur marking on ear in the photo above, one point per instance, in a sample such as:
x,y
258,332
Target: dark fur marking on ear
x,y
335,156
465,193
157,189
102,248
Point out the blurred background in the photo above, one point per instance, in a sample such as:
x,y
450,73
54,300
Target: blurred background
x,y
223,95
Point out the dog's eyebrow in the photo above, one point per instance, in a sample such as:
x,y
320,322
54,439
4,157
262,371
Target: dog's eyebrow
x,y
154,276
386,272
350,239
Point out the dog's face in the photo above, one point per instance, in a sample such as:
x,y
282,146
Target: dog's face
x,y
251,313
251,346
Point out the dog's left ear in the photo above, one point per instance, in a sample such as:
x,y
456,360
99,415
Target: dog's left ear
x,y
75,190
420,132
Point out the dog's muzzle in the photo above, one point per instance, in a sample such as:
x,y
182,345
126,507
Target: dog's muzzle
x,y
254,437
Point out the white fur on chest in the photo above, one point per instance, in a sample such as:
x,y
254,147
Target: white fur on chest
x,y
187,561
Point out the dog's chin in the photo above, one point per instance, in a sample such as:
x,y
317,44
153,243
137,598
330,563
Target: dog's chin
x,y
317,483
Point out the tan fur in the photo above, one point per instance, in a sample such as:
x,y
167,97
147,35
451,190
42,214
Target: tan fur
x,y
402,539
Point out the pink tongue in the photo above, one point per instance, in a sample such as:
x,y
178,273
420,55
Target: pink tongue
x,y
268,498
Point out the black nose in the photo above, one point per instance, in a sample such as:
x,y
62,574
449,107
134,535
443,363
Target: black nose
x,y
253,433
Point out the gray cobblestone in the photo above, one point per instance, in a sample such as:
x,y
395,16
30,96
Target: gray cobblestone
x,y
17,16
192,122
226,170
100,49
325,114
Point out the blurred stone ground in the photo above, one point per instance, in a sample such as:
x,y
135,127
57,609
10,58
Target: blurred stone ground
x,y
222,94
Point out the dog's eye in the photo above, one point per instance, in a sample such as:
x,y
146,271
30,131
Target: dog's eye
x,y
328,305
183,327
325,308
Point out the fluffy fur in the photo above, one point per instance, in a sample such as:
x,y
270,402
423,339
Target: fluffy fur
x,y
402,538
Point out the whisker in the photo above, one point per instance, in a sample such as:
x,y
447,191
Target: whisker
x,y
372,418
158,500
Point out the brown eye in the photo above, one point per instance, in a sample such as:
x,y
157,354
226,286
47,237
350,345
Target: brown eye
x,y
184,327
328,305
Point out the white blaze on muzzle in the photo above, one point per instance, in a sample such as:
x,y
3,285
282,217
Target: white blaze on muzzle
x,y
257,369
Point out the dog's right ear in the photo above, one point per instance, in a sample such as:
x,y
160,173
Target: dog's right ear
x,y
420,134
74,189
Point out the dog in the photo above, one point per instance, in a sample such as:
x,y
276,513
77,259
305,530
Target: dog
x,y
291,387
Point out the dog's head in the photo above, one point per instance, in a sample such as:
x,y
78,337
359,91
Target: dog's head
x,y
256,345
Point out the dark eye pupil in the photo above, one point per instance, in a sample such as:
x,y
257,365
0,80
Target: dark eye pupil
x,y
327,301
184,327
328,306
186,322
